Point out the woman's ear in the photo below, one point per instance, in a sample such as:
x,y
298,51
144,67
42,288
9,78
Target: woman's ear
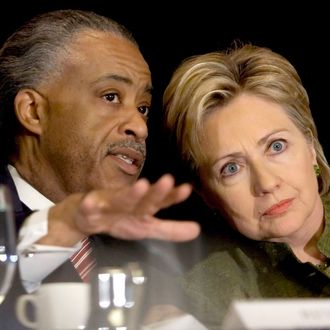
x,y
29,109
311,143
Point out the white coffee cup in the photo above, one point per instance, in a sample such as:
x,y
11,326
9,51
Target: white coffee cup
x,y
58,306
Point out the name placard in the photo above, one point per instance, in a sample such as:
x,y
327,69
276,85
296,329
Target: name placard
x,y
276,314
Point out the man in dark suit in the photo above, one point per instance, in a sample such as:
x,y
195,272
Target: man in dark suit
x,y
75,93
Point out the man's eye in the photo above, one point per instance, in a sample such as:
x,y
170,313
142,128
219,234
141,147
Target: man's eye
x,y
230,169
144,110
112,97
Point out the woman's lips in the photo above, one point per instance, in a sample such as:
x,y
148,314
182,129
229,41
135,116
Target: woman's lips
x,y
279,208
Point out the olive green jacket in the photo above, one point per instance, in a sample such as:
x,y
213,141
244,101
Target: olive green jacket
x,y
239,268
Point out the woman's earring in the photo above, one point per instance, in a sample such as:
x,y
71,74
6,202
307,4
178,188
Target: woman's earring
x,y
317,170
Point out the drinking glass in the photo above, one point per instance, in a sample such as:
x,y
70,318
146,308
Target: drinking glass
x,y
8,256
117,297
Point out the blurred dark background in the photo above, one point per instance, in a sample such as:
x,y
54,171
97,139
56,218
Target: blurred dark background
x,y
168,32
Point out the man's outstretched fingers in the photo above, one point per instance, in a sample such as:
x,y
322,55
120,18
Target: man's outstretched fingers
x,y
175,231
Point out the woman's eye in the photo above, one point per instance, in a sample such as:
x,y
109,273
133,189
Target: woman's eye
x,y
278,146
230,169
144,110
112,97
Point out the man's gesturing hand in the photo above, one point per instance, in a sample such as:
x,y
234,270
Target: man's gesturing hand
x,y
126,214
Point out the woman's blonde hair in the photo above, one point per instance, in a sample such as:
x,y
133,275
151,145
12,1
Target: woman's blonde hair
x,y
204,82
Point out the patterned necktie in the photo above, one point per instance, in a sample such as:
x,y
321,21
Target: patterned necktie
x,y
83,261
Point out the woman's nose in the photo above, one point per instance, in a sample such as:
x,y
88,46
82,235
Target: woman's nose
x,y
265,179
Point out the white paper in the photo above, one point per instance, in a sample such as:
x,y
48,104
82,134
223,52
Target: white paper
x,y
276,314
184,322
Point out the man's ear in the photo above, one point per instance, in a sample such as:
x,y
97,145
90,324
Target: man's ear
x,y
29,109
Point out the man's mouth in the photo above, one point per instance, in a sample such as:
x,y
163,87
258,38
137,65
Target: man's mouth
x,y
130,156
126,159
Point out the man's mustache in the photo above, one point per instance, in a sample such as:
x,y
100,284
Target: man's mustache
x,y
139,147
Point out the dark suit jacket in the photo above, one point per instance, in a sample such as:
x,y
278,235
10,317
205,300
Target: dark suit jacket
x,y
64,273
162,263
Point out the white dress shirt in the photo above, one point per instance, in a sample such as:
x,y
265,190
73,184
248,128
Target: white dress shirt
x,y
36,261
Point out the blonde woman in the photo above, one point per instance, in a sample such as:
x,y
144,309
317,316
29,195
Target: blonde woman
x,y
242,123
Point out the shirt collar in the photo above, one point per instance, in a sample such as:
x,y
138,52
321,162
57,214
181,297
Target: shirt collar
x,y
32,198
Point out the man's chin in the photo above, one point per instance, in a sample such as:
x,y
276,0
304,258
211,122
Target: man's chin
x,y
116,183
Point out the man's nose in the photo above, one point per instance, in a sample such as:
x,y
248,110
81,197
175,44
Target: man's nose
x,y
134,124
